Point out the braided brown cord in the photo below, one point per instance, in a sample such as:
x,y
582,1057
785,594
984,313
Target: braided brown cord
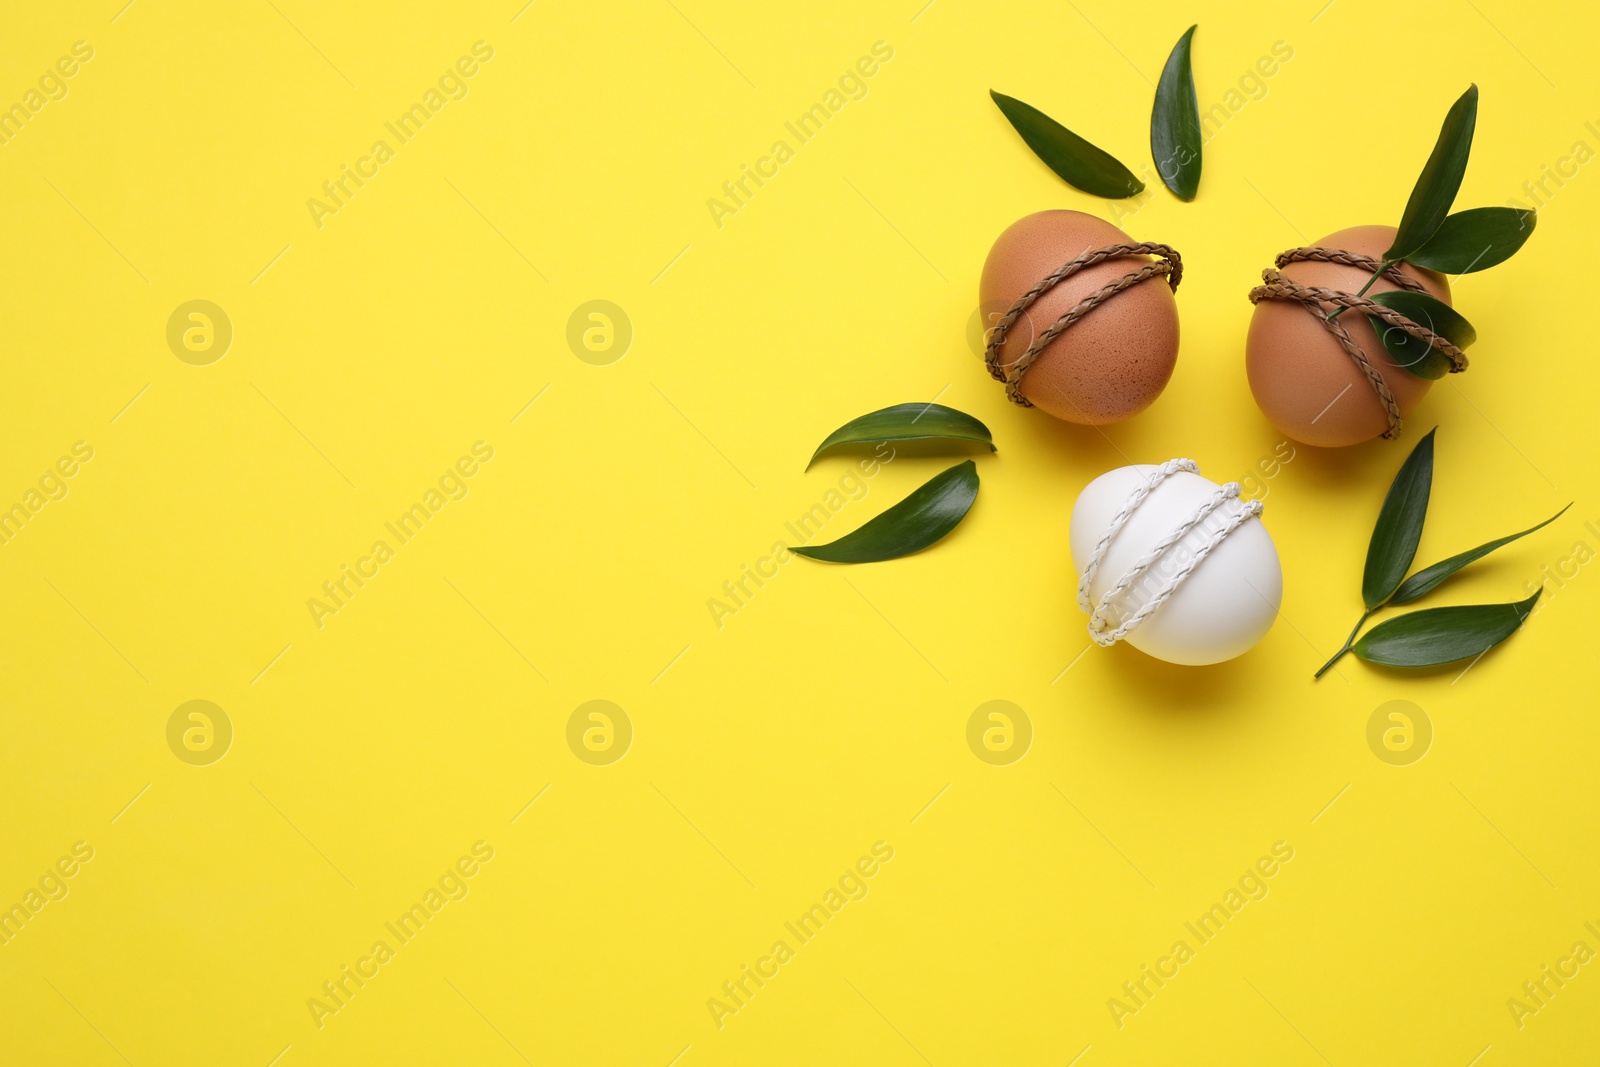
x,y
1314,297
1170,264
1349,259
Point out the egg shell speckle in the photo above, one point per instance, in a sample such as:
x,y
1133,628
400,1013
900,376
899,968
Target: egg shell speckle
x,y
1302,380
1110,364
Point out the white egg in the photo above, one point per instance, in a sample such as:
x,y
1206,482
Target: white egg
x,y
1206,611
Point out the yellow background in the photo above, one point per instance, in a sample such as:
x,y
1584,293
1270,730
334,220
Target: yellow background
x,y
768,754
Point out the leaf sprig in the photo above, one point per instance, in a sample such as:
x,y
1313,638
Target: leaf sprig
x,y
1175,137
933,509
1430,236
906,422
1077,162
1435,635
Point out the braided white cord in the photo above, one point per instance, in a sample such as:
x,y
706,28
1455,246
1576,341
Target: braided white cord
x,y
1106,638
1097,620
1098,617
1120,519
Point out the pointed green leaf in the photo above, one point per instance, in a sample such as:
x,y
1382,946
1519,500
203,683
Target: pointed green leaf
x,y
919,520
1427,580
1476,239
1436,187
1175,123
907,422
1079,163
1399,526
1442,635
1415,354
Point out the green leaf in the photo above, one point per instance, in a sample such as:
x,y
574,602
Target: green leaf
x,y
1440,179
907,422
1175,123
1474,240
1413,353
1079,163
1399,527
1442,635
919,520
1428,579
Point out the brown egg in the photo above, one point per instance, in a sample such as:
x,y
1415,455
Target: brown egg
x,y
1303,380
1110,364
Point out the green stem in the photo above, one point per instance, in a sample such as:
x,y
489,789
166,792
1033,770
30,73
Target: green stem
x,y
1363,292
1347,642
